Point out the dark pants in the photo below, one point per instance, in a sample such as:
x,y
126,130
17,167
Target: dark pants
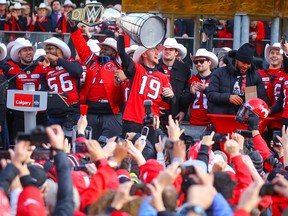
x,y
109,125
129,126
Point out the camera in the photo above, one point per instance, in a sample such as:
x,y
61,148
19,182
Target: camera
x,y
267,189
149,118
41,153
37,136
167,143
211,25
187,170
244,133
80,147
144,134
275,134
283,39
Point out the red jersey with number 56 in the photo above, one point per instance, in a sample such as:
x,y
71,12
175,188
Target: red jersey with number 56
x,y
146,86
60,81
198,107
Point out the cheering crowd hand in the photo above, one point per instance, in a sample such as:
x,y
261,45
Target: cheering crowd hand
x,y
232,148
193,88
20,154
56,137
95,151
168,176
135,154
82,124
280,185
239,139
235,99
174,131
167,92
208,139
156,192
179,150
201,195
250,197
121,151
122,195
159,145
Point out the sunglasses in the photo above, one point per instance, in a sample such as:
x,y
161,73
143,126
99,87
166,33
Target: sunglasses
x,y
50,48
201,61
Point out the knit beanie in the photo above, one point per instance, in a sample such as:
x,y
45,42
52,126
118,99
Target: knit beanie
x,y
245,53
257,160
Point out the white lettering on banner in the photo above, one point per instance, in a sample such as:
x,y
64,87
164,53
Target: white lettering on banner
x,y
23,103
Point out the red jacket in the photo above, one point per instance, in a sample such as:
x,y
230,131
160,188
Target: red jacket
x,y
98,184
268,158
243,176
114,93
32,75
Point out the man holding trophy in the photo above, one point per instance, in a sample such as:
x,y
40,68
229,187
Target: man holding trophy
x,y
146,83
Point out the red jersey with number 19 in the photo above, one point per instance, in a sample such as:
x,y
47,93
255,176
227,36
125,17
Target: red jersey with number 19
x,y
146,86
198,107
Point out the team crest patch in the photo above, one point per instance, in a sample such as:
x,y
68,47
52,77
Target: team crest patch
x,y
110,67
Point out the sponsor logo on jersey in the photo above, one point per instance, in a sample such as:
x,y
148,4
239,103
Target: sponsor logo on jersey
x,y
265,79
22,76
35,76
110,66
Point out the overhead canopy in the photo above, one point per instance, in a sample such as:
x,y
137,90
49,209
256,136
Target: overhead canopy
x,y
271,8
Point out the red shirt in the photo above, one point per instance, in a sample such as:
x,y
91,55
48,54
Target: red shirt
x,y
146,86
198,107
272,79
59,80
29,76
167,72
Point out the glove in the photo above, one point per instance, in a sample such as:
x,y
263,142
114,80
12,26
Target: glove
x,y
253,122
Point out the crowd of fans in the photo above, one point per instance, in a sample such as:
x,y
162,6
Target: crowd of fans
x,y
113,140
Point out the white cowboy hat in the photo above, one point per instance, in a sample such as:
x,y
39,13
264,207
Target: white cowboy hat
x,y
3,51
16,6
17,47
172,43
38,53
58,43
268,48
182,51
3,2
69,3
111,42
137,56
204,53
12,43
131,49
93,45
43,5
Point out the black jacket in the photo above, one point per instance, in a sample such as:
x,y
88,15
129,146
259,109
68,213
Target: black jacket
x,y
180,74
222,82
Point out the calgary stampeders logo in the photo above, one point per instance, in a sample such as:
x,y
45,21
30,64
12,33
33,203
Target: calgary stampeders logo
x,y
26,100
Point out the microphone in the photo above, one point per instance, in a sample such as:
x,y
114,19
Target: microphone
x,y
39,59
